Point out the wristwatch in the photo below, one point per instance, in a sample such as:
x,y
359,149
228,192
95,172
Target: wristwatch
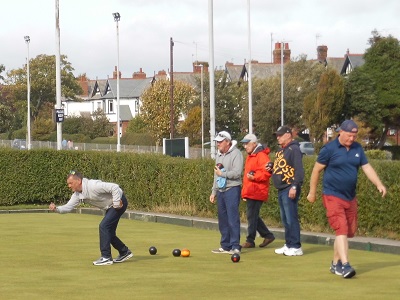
x,y
294,187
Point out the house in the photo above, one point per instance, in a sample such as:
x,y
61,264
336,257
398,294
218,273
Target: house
x,y
351,62
102,94
239,73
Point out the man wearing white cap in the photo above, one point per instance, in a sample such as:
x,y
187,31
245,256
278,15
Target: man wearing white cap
x,y
226,188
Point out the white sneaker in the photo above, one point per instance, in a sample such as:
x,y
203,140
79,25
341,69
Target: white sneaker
x,y
103,261
281,250
220,250
293,252
234,251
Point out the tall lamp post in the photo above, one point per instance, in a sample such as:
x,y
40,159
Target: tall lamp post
x,y
27,40
117,17
202,111
249,72
282,103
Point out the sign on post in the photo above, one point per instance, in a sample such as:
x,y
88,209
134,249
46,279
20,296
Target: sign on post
x,y
176,147
59,115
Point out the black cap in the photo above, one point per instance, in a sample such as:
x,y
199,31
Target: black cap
x,y
282,130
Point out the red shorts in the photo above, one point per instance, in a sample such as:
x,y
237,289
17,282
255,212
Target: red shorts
x,y
342,215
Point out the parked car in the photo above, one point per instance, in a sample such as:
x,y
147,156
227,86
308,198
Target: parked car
x,y
19,144
307,148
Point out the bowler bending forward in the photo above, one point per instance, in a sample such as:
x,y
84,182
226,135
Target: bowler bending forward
x,y
104,195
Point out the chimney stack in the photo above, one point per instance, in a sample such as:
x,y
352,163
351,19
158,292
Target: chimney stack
x,y
115,73
139,75
277,53
322,53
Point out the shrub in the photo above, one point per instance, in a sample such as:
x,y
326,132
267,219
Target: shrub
x,y
154,182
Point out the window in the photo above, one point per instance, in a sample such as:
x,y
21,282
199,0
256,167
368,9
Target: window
x,y
110,106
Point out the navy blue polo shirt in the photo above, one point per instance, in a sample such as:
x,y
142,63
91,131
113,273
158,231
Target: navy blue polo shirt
x,y
341,172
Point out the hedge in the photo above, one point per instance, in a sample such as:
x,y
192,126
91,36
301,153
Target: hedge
x,y
153,182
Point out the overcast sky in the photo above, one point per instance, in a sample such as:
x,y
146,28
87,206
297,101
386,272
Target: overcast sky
x,y
88,31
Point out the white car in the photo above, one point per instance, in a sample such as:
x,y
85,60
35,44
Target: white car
x,y
307,148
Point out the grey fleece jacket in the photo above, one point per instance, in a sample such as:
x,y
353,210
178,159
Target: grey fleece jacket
x,y
233,165
94,192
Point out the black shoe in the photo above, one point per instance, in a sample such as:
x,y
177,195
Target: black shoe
x,y
123,257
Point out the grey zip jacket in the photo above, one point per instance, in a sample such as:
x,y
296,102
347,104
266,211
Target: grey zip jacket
x,y
233,164
94,192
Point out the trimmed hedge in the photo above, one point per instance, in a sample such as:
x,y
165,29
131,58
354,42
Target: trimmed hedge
x,y
158,183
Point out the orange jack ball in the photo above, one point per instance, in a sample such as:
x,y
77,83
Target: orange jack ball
x,y
185,252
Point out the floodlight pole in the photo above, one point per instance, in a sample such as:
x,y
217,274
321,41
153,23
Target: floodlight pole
x,y
28,142
117,18
282,120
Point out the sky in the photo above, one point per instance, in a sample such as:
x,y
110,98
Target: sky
x,y
88,32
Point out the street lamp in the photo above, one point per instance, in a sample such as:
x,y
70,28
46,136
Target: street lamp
x,y
27,40
282,103
202,111
117,17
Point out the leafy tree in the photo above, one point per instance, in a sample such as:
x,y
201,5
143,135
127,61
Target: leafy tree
x,y
2,69
42,128
136,125
229,105
324,105
373,89
266,110
191,126
301,78
93,126
43,82
156,106
101,125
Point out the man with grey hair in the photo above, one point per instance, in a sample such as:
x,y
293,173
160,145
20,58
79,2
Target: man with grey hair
x,y
255,190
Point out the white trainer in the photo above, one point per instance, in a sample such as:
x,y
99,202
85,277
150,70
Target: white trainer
x,y
103,261
281,250
293,252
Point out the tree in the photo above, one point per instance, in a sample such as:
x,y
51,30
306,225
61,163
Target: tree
x,y
101,125
2,69
373,89
324,105
92,126
156,110
136,125
229,105
191,126
301,78
43,82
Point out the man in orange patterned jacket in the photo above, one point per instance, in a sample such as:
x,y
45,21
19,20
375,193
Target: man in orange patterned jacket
x,y
255,190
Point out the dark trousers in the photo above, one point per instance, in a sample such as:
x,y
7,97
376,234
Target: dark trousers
x,y
228,217
108,229
255,223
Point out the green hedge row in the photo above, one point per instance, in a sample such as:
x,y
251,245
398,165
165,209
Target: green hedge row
x,y
158,183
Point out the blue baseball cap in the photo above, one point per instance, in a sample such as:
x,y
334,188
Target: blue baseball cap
x,y
348,126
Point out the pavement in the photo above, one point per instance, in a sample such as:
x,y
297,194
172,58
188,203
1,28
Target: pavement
x,y
359,243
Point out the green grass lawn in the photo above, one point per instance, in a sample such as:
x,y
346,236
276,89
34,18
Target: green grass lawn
x,y
49,256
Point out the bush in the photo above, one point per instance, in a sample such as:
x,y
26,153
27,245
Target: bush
x,y
158,183
378,154
143,139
